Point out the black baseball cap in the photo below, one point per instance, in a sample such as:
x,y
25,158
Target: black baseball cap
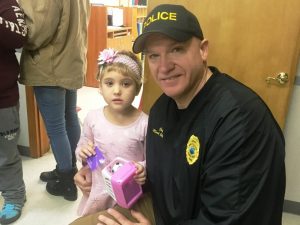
x,y
175,21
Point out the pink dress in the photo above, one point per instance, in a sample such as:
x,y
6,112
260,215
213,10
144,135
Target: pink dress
x,y
114,141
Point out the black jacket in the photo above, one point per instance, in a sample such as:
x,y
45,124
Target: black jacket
x,y
219,161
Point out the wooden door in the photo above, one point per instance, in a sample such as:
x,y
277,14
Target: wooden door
x,y
250,40
38,140
97,40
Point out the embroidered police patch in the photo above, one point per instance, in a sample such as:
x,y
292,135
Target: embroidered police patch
x,y
192,149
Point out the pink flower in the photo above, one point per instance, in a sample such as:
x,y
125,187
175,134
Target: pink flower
x,y
106,56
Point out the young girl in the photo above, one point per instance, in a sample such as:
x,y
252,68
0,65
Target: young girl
x,y
118,129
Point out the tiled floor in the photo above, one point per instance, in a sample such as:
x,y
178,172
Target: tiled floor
x,y
44,209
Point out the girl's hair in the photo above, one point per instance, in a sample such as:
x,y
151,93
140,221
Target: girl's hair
x,y
124,62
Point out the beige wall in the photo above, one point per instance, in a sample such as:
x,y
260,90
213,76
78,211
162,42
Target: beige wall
x,y
24,136
292,137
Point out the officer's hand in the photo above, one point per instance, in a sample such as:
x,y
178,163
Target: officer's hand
x,y
122,219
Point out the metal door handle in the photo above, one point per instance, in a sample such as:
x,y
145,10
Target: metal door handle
x,y
281,78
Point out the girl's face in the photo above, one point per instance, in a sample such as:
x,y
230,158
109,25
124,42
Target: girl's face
x,y
117,90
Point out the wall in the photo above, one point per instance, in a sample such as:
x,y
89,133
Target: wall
x,y
292,136
24,138
106,2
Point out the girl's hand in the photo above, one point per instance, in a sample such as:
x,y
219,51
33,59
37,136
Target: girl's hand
x,y
83,180
140,175
86,151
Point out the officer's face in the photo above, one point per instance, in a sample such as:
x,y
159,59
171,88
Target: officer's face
x,y
177,67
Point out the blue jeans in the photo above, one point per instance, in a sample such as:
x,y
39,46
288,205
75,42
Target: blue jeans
x,y
58,109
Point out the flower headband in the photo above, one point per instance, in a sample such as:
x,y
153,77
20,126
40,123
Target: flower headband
x,y
109,56
106,56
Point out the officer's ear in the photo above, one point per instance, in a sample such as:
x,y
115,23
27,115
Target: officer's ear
x,y
204,49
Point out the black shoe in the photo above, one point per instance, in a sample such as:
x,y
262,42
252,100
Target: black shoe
x,y
49,176
64,186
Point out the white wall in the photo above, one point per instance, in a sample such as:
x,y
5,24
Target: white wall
x,y
106,2
24,137
292,137
112,2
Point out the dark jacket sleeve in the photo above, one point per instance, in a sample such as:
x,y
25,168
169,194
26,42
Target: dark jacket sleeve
x,y
13,30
